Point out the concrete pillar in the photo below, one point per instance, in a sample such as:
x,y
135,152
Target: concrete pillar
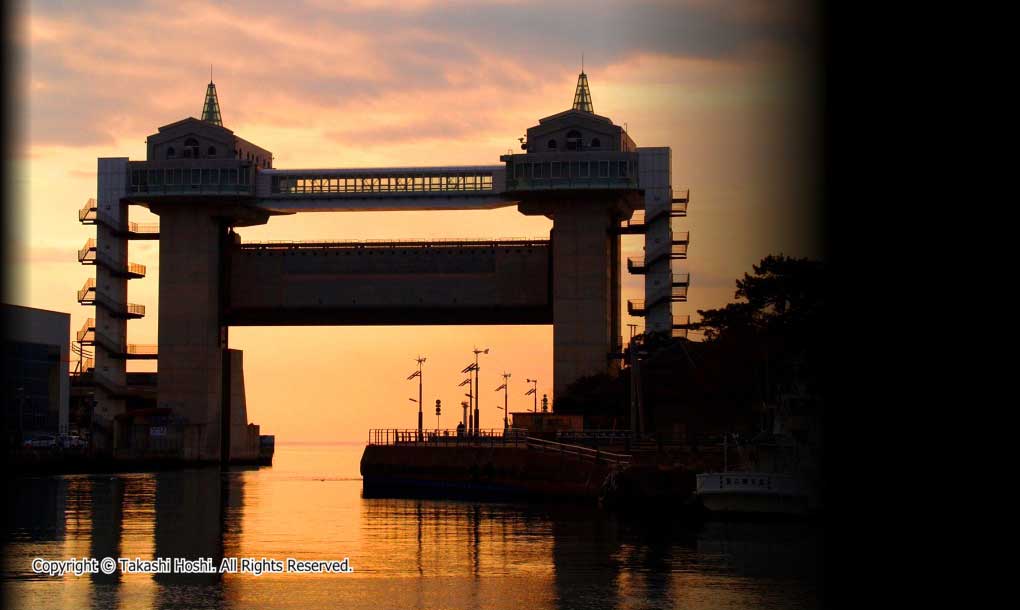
x,y
243,439
112,215
585,297
191,341
585,283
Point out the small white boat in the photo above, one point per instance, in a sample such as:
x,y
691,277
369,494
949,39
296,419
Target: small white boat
x,y
752,492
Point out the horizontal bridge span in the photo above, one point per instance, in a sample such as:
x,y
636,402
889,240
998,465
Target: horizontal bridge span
x,y
383,189
365,244
459,281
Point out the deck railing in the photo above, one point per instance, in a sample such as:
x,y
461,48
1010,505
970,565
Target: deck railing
x,y
87,331
151,228
578,451
87,214
397,244
636,307
142,350
435,438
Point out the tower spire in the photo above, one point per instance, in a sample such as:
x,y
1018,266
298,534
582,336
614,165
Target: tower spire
x,y
582,96
211,109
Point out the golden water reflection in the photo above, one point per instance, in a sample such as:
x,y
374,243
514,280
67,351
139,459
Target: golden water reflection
x,y
415,553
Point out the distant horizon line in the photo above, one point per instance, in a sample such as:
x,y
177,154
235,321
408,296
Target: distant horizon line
x,y
304,442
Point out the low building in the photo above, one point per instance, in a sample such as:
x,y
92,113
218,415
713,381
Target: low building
x,y
546,424
36,384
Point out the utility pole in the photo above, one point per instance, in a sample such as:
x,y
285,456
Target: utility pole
x,y
534,392
417,374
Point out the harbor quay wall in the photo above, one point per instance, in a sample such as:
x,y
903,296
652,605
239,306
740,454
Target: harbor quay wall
x,y
500,470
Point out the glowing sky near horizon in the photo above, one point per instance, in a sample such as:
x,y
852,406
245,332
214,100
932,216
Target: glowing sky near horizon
x,y
360,84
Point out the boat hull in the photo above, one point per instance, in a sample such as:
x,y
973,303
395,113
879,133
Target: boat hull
x,y
752,493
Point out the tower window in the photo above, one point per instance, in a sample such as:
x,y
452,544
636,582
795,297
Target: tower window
x,y
552,144
595,143
191,148
574,140
170,152
212,151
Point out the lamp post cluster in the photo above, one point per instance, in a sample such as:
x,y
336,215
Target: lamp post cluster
x,y
470,407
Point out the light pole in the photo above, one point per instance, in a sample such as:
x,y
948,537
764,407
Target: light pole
x,y
506,399
477,380
534,392
417,374
471,399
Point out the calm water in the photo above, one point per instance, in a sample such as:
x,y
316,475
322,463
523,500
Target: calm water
x,y
406,553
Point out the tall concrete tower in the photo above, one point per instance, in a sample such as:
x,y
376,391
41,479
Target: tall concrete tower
x,y
589,177
198,177
581,171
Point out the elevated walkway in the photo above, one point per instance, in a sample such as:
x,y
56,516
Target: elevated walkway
x,y
382,189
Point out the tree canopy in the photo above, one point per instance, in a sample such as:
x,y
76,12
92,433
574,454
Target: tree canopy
x,y
783,298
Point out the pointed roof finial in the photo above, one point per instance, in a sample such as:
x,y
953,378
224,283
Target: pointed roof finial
x,y
582,96
211,109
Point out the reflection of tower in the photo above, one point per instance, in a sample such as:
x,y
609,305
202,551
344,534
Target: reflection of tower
x,y
586,570
107,524
38,506
189,522
233,514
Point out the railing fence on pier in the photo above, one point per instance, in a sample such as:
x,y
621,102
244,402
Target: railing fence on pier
x,y
512,437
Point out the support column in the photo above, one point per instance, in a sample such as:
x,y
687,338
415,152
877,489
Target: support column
x,y
583,293
191,341
585,277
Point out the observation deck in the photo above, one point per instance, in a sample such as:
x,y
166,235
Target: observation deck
x,y
382,189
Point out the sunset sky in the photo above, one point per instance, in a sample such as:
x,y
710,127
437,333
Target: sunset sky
x,y
367,83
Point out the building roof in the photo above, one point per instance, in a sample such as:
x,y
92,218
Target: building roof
x,y
576,113
27,308
190,119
